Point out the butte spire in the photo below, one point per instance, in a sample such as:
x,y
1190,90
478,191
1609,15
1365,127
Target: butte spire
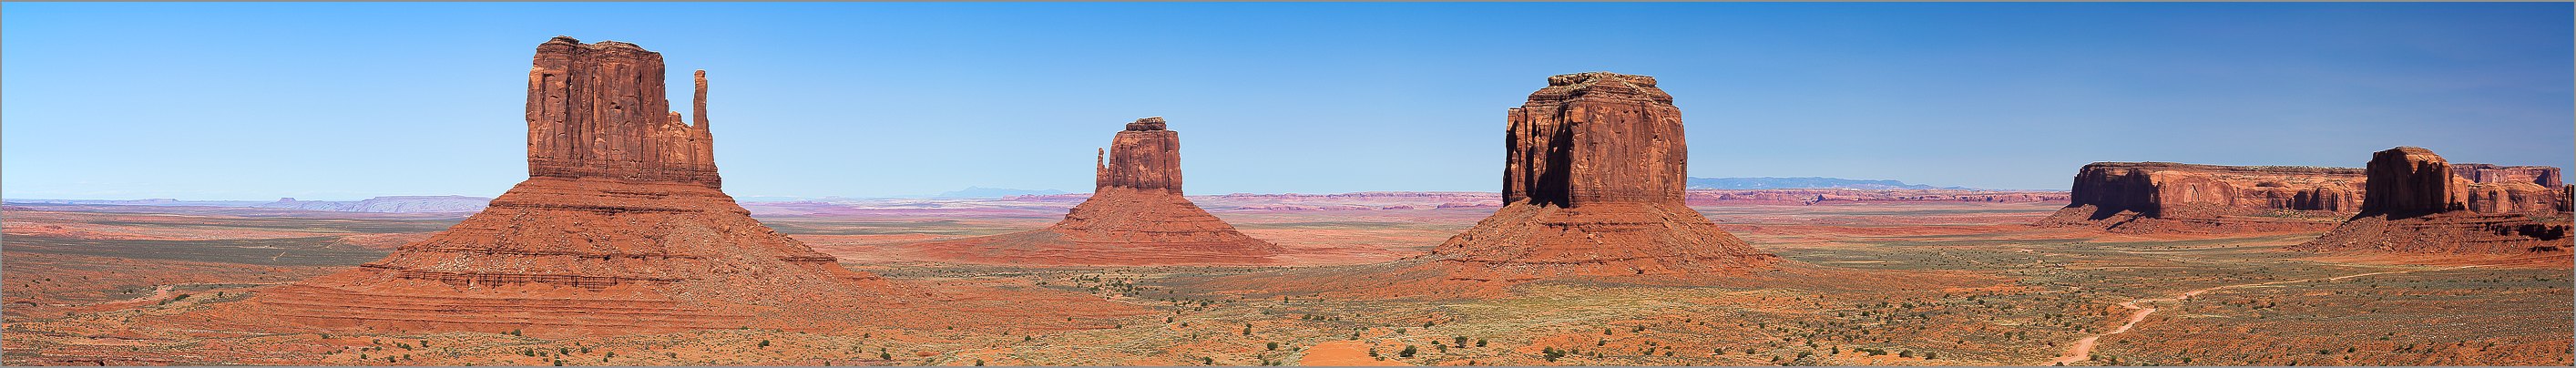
x,y
1135,216
620,227
1593,172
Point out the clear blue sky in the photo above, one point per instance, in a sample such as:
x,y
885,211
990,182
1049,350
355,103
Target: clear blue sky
x,y
344,101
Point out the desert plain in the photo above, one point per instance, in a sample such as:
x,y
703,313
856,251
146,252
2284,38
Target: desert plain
x,y
1864,282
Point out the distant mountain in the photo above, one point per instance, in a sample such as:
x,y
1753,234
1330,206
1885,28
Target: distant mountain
x,y
389,204
1803,183
982,192
386,204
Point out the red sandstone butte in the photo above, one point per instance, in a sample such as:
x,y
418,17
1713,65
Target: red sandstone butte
x,y
620,227
1592,185
1136,217
2420,203
2162,197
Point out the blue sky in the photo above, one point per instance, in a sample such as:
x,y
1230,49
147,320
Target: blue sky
x,y
344,101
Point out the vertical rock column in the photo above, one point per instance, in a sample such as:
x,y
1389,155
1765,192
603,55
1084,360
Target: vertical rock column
x,y
1146,156
598,111
1593,138
2409,180
1592,185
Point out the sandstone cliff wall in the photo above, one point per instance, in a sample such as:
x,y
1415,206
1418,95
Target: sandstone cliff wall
x,y
1146,156
1595,138
598,111
2420,203
1592,186
2162,197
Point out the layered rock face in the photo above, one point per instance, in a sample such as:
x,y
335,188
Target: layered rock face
x,y
1147,157
619,228
597,111
2419,203
1136,216
2157,197
1592,185
2511,189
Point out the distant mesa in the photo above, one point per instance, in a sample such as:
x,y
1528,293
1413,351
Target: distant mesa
x,y
982,192
2419,203
1803,183
385,204
1593,181
2162,197
620,228
389,204
1135,216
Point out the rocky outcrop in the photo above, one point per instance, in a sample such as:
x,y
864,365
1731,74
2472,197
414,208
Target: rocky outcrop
x,y
2545,176
597,111
1147,157
1593,174
2161,197
1136,216
2420,203
2511,189
620,228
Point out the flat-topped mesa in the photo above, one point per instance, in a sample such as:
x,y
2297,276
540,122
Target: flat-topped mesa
x,y
1146,156
2175,197
2545,176
2412,181
2420,203
1592,185
597,111
2512,189
1595,137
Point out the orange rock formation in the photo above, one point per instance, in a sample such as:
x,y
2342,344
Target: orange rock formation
x,y
2420,203
621,226
1592,185
1136,217
2160,197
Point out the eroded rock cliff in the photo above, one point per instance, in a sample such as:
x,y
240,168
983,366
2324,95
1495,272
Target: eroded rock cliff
x,y
619,228
2420,203
1594,169
2156,197
1135,216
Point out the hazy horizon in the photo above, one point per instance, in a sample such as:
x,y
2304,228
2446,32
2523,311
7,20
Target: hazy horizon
x,y
350,101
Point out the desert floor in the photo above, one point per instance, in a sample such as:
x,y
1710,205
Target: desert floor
x,y
1940,283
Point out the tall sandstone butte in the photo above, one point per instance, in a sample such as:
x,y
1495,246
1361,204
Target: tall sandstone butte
x,y
620,227
1136,216
2163,197
1593,172
2420,203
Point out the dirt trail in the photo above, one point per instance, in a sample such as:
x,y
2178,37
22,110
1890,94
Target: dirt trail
x,y
162,291
2082,350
